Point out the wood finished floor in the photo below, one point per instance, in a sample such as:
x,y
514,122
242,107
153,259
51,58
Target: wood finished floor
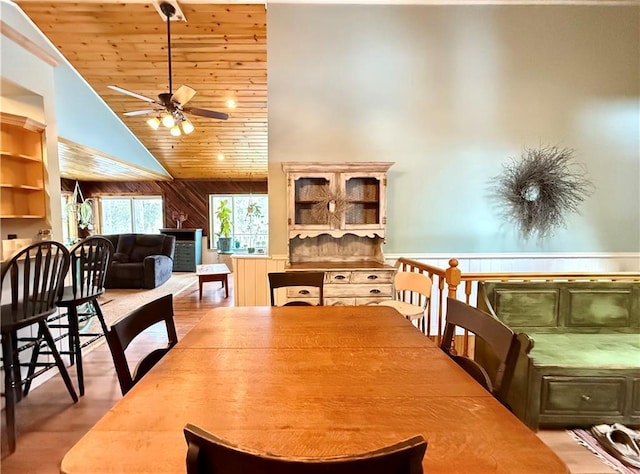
x,y
49,424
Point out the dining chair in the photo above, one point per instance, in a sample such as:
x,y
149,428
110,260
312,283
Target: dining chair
x,y
89,263
129,327
494,373
30,284
301,279
207,453
412,292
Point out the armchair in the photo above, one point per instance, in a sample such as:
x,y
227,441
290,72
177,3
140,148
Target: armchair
x,y
140,260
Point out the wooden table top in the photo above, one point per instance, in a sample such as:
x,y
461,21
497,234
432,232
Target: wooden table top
x,y
212,269
310,381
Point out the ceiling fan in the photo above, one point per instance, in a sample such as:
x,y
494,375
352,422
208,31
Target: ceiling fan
x,y
170,106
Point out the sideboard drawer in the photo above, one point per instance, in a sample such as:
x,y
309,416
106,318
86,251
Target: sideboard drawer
x,y
372,277
359,291
303,292
337,277
575,395
339,301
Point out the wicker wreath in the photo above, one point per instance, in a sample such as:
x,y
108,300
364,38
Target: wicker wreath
x,y
330,206
537,191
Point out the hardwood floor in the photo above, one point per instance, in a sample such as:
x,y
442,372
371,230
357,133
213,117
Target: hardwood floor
x,y
49,424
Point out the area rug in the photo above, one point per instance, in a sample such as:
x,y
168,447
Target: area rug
x,y
586,439
116,303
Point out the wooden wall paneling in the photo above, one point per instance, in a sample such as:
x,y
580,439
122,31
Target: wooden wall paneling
x,y
251,287
188,196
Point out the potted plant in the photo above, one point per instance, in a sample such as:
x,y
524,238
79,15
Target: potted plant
x,y
223,214
80,212
254,216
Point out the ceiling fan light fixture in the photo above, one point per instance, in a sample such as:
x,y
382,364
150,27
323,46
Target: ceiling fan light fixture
x,y
154,123
168,120
231,103
187,126
175,131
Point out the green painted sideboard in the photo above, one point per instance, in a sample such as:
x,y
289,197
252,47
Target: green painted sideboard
x,y
584,368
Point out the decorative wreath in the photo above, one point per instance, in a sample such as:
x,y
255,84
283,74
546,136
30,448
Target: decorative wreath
x,y
539,190
329,206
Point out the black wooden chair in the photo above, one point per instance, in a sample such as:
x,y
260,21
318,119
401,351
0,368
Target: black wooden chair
x,y
30,284
301,279
504,344
209,454
126,329
89,263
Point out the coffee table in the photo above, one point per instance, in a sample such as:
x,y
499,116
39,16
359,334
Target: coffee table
x,y
214,272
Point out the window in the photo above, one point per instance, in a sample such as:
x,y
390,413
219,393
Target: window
x,y
140,214
249,221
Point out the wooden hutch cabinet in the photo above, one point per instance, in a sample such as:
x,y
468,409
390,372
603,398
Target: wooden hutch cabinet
x,y
337,222
21,168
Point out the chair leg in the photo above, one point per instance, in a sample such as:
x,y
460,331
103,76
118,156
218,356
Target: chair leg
x,y
76,349
56,355
96,306
9,388
35,353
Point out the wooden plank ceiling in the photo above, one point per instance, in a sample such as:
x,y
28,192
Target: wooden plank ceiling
x,y
220,51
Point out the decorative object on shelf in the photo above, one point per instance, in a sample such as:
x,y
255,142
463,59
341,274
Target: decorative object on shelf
x,y
179,217
223,214
330,206
43,234
254,217
537,191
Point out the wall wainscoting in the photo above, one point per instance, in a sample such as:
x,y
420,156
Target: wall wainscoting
x,y
531,262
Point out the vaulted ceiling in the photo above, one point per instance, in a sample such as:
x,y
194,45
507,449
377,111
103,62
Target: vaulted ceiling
x,y
220,51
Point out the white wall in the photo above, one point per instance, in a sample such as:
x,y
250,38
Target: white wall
x,y
450,93
34,99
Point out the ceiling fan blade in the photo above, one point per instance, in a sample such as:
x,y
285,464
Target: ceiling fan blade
x,y
206,113
183,95
132,94
133,113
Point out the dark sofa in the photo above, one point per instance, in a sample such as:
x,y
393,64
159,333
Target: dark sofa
x,y
140,260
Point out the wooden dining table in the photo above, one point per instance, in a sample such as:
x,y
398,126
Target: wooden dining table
x,y
310,381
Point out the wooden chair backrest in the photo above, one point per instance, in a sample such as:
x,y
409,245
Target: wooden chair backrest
x,y
126,329
409,281
30,283
502,340
288,279
89,263
413,288
210,454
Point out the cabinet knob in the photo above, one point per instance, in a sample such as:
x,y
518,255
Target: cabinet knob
x,y
586,398
372,277
303,292
340,277
374,291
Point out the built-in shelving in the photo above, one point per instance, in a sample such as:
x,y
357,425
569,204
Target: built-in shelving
x,y
21,168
